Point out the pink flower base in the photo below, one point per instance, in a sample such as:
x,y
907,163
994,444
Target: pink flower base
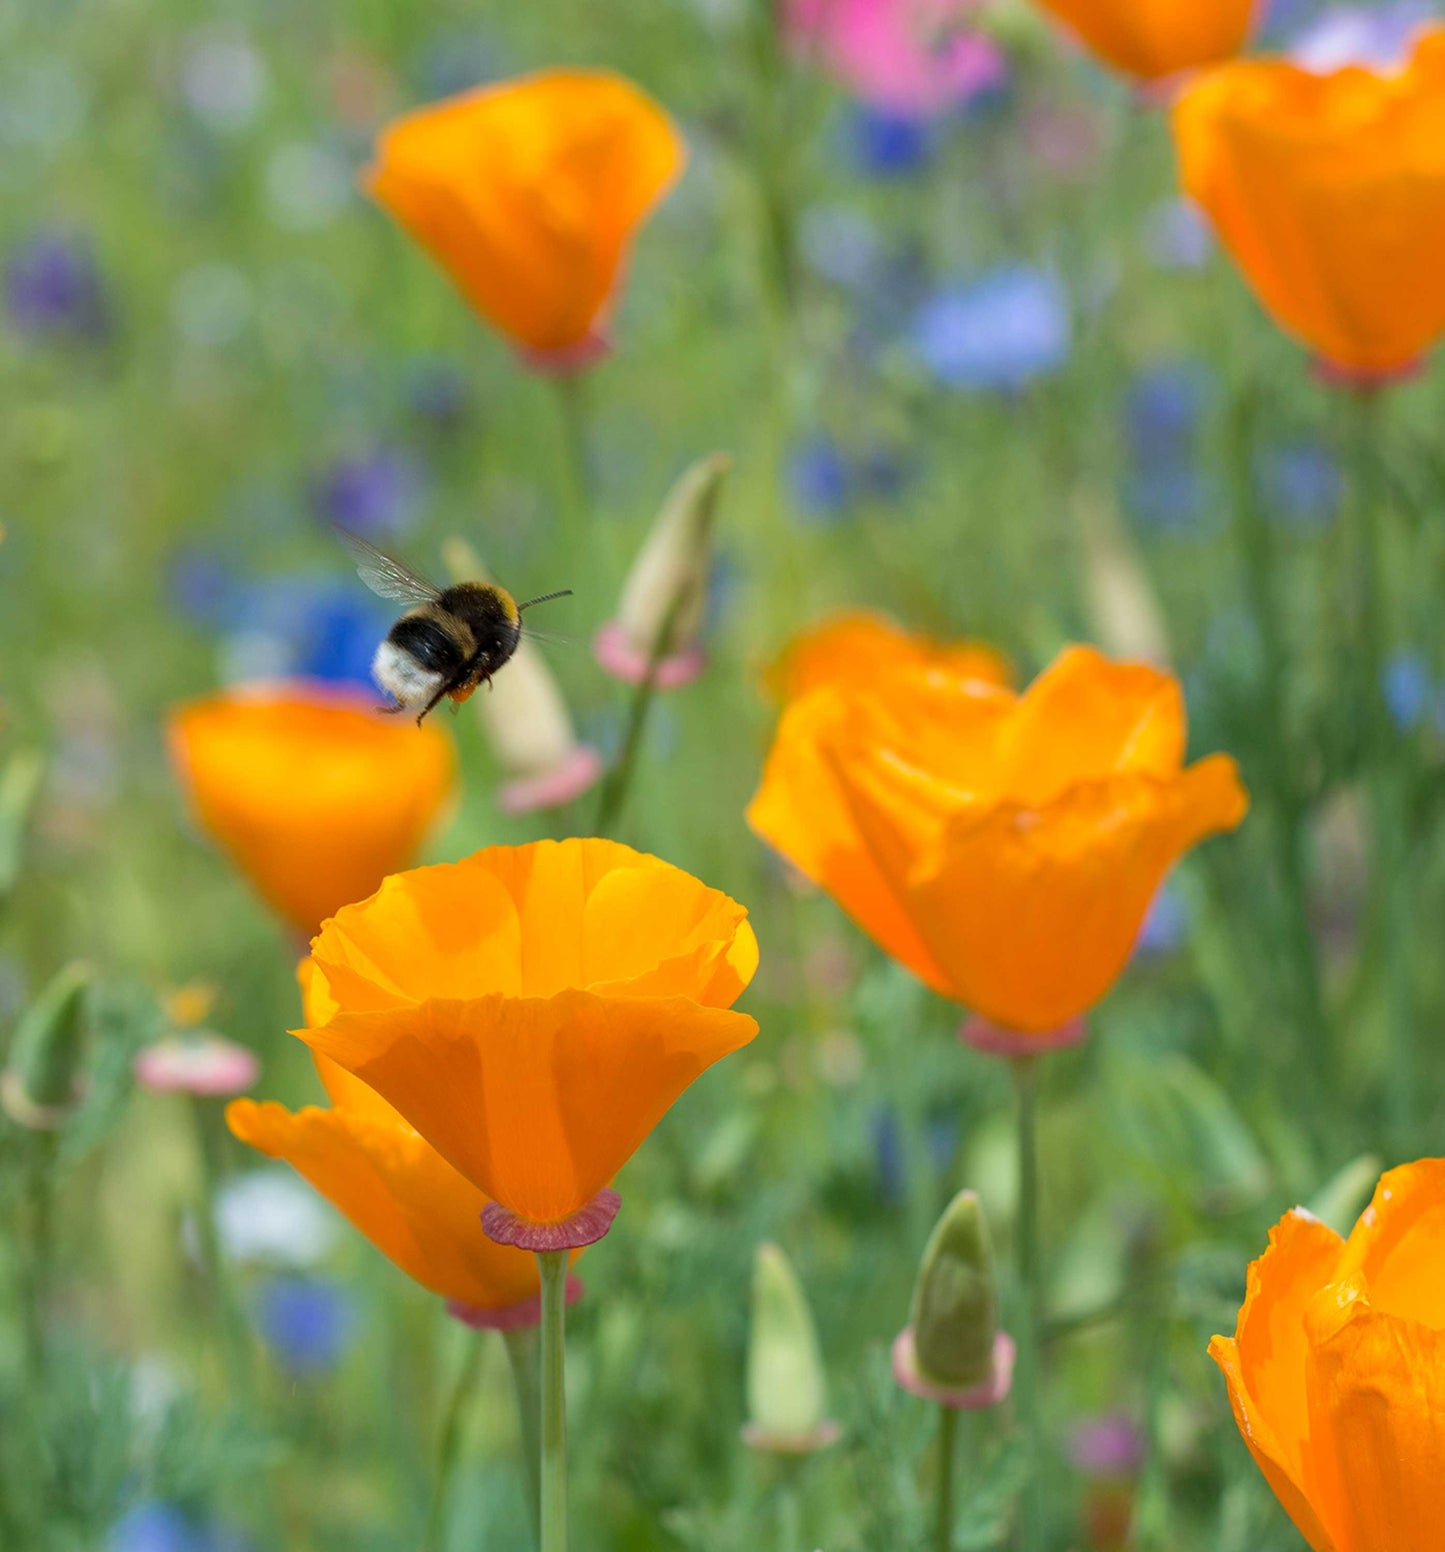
x,y
1358,379
570,359
202,1063
995,1040
1161,92
584,1227
521,1316
975,1399
579,771
623,661
827,1432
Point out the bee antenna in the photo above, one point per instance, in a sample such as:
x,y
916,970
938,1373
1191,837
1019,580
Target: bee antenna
x,y
545,598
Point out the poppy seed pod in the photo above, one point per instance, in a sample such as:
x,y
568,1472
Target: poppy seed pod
x,y
953,1352
664,599
42,1078
787,1390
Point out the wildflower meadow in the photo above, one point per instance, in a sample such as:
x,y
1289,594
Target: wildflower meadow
x,y
722,738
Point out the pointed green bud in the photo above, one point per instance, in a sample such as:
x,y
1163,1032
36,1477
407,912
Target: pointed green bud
x,y
1343,1196
19,787
787,1393
46,1052
955,1302
665,595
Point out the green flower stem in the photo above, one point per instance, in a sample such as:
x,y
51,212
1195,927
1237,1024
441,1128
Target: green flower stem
x,y
1028,1324
947,1467
574,485
223,1303
36,1259
1388,785
553,1452
522,1355
619,779
1258,563
449,1447
790,1506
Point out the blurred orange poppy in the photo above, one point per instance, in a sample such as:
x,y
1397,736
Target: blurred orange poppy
x,y
529,194
1329,192
312,794
533,1011
1004,848
858,647
1336,1370
1152,39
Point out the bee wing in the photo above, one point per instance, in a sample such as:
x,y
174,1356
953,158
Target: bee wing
x,y
386,577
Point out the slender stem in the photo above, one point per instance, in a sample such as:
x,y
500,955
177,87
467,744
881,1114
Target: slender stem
x,y
553,1452
1026,1374
1387,782
1255,547
36,1258
572,467
449,1447
947,1466
619,778
790,1511
223,1304
522,1355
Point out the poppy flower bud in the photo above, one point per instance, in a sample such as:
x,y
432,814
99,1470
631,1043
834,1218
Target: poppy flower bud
x,y
664,598
526,722
953,1351
787,1391
19,786
40,1083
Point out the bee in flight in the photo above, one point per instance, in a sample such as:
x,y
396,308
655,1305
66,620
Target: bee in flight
x,y
451,640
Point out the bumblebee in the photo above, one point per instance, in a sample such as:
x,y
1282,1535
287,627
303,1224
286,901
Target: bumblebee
x,y
452,639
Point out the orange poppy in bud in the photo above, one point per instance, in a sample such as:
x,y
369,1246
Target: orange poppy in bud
x,y
1329,192
534,1010
858,647
1152,39
391,1184
529,194
313,795
1004,848
1336,1370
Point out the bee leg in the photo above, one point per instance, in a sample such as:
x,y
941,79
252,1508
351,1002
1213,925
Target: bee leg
x,y
431,705
391,708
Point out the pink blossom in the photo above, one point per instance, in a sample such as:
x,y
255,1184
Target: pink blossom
x,y
912,57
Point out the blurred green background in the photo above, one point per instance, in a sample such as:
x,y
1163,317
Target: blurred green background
x,y
986,374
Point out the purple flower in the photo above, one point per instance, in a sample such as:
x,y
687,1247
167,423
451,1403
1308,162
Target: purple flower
x,y
158,1526
1178,236
53,288
1378,37
1001,332
438,394
374,494
307,626
887,144
1165,924
1300,484
819,478
307,1322
1163,412
1408,689
1109,1445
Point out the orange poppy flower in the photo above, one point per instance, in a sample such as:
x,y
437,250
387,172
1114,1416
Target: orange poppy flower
x,y
1004,848
858,647
533,1011
1329,192
313,795
391,1184
1336,1370
529,194
1152,39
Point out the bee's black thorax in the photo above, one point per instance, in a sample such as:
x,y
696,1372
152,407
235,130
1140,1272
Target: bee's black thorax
x,y
491,618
